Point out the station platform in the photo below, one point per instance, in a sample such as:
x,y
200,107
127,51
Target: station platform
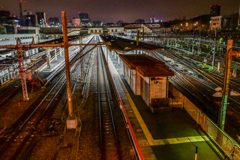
x,y
44,71
164,136
56,64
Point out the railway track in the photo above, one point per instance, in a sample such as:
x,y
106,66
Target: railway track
x,y
8,91
193,87
212,80
201,90
22,137
108,134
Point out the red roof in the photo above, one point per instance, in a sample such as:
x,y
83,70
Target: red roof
x,y
147,66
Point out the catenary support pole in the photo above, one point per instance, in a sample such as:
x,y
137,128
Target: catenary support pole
x,y
71,120
22,72
224,103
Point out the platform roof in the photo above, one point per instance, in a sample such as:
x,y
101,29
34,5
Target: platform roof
x,y
126,45
147,66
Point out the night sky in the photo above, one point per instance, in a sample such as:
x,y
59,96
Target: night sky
x,y
128,10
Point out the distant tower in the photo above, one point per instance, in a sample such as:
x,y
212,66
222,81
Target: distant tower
x,y
20,8
41,18
215,10
84,17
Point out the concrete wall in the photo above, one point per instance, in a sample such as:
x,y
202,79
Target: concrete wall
x,y
176,93
10,39
112,30
144,86
95,30
127,74
159,88
138,83
13,53
130,77
133,80
145,89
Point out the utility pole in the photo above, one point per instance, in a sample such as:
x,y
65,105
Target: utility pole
x,y
71,120
81,60
214,53
55,53
193,47
214,50
199,46
228,58
22,72
137,37
48,58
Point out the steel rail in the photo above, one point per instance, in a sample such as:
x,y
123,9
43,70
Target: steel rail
x,y
23,125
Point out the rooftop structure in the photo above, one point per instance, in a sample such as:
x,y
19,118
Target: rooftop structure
x,y
140,21
215,10
41,18
147,77
84,17
76,22
4,13
126,45
53,21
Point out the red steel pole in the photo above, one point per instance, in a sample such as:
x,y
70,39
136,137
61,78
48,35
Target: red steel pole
x,y
65,38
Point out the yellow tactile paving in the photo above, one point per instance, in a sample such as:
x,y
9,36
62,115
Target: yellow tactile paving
x,y
178,140
139,117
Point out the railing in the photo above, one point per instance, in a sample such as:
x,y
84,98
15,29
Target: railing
x,y
224,141
8,76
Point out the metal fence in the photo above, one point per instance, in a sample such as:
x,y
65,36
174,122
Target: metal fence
x,y
224,141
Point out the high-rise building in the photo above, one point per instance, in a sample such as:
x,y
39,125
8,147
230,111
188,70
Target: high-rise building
x,y
21,7
97,23
41,19
25,12
4,13
84,17
120,23
215,10
152,20
54,21
140,21
76,22
28,19
110,24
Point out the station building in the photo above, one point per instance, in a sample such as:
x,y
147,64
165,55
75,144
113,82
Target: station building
x,y
147,77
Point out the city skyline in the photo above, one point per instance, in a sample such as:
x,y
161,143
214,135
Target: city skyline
x,y
124,10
